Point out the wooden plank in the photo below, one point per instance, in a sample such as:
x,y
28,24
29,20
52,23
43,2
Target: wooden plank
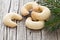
x,y
14,5
37,35
32,35
48,35
5,7
29,34
21,29
1,28
28,31
12,33
58,34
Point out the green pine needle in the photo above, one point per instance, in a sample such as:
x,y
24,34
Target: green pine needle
x,y
54,21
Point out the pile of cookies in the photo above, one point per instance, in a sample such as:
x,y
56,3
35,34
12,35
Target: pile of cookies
x,y
35,21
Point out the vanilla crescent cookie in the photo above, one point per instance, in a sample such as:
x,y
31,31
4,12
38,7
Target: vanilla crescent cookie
x,y
28,7
7,19
34,24
44,13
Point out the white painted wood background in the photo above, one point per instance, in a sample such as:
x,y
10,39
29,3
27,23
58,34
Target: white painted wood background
x,y
21,32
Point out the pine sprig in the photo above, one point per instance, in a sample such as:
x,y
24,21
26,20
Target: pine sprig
x,y
54,21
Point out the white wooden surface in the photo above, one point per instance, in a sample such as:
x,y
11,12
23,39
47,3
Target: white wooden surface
x,y
21,32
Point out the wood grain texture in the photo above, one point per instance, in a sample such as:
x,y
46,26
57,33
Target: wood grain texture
x,y
5,7
58,34
12,34
21,32
1,28
28,31
48,35
21,29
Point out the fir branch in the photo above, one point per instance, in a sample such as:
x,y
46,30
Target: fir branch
x,y
54,21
